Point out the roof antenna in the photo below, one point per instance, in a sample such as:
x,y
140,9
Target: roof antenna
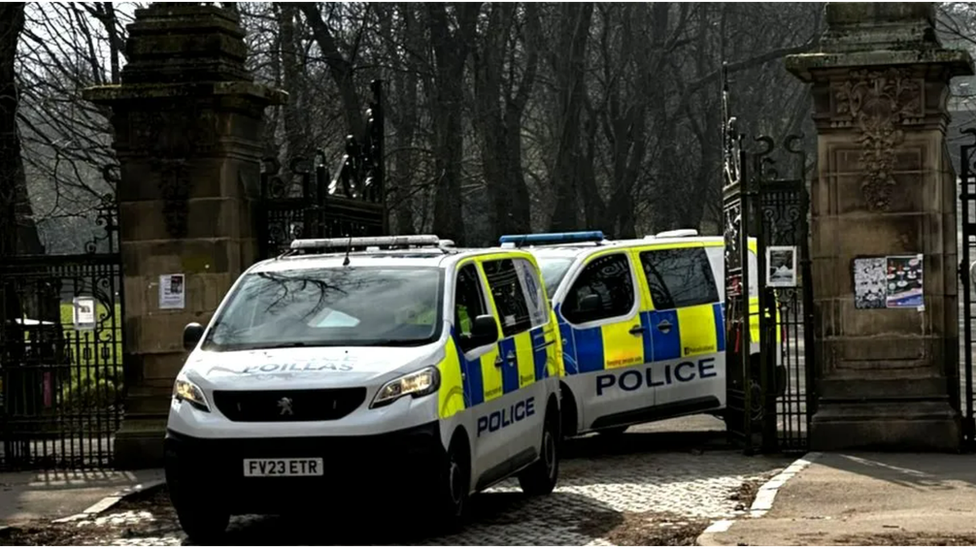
x,y
345,262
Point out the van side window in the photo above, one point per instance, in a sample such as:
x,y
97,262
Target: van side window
x,y
529,277
469,303
509,296
609,279
680,277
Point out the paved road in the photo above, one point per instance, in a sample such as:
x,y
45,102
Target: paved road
x,y
655,477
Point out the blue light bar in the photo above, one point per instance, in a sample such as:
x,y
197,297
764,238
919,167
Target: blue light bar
x,y
552,238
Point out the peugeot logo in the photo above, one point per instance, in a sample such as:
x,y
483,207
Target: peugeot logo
x,y
285,405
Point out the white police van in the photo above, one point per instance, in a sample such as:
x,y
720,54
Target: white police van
x,y
642,323
406,372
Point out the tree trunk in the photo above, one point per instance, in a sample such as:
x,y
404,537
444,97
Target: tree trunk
x,y
18,232
499,115
488,62
406,120
339,67
570,81
450,53
115,44
296,144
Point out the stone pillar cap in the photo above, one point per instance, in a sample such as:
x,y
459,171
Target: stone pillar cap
x,y
804,65
136,92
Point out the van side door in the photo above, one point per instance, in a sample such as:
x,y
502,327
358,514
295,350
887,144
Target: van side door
x,y
686,328
602,309
478,367
522,402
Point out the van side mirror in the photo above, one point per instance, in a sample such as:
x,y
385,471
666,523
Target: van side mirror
x,y
484,331
191,335
590,303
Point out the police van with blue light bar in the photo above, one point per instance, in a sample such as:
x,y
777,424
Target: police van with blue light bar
x,y
642,324
367,370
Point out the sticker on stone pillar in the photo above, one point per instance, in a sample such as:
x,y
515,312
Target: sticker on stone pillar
x,y
889,282
869,283
904,279
781,266
172,291
83,313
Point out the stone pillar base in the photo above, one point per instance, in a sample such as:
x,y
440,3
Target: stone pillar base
x,y
139,444
914,426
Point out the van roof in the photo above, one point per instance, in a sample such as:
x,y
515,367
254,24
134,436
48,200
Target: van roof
x,y
411,257
578,248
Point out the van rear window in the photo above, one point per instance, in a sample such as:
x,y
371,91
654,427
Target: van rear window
x,y
679,277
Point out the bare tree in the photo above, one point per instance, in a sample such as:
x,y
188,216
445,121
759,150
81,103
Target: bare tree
x,y
506,65
451,49
569,65
501,117
18,232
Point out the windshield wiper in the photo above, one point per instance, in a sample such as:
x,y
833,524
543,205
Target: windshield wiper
x,y
396,342
295,344
287,345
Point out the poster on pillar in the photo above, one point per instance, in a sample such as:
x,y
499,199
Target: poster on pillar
x,y
888,282
904,279
172,291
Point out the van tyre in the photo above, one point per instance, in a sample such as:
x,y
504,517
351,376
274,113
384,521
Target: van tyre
x,y
202,524
540,478
451,497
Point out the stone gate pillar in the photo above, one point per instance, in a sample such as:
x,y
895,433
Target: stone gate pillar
x,y
187,122
887,360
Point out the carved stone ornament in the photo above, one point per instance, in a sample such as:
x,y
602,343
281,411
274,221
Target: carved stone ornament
x,y
174,186
878,103
143,129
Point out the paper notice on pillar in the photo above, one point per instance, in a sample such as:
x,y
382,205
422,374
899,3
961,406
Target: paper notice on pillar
x,y
172,291
869,283
904,280
83,313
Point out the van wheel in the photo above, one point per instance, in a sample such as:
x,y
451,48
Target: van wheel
x,y
613,431
452,489
201,524
540,478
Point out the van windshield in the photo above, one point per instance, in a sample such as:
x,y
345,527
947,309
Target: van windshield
x,y
340,306
553,270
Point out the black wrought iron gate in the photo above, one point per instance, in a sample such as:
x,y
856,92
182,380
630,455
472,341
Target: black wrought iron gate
x,y
61,354
785,297
967,248
768,299
302,200
736,211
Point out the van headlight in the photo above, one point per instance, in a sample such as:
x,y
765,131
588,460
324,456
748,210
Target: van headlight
x,y
184,389
416,384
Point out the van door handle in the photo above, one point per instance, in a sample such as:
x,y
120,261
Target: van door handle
x,y
637,330
664,326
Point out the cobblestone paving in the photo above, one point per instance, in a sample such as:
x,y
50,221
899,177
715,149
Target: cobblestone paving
x,y
645,478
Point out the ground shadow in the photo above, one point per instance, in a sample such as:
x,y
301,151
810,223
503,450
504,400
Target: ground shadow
x,y
645,442
495,518
929,471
